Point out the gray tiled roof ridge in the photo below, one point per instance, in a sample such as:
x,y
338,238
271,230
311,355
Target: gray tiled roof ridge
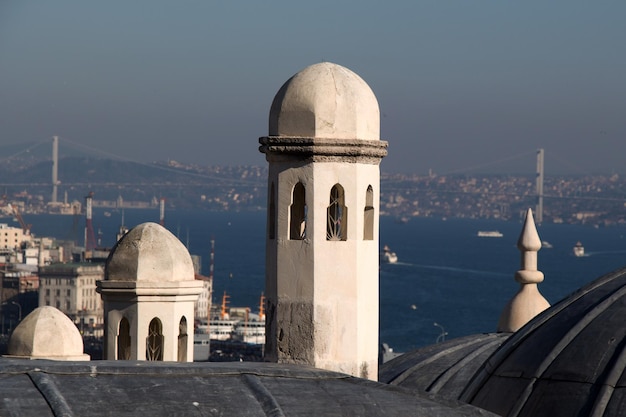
x,y
44,387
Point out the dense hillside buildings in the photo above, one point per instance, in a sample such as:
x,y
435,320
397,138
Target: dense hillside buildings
x,y
594,200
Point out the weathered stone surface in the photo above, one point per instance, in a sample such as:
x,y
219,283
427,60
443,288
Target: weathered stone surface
x,y
323,150
295,333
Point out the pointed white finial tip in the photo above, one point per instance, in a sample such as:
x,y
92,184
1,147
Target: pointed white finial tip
x,y
529,238
528,302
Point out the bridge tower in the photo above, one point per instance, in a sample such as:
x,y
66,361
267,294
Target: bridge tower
x,y
539,210
55,167
90,237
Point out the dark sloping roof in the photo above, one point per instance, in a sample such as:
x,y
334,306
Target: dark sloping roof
x,y
444,368
130,388
569,360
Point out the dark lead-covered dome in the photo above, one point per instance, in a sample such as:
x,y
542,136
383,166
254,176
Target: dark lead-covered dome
x,y
568,361
249,389
443,369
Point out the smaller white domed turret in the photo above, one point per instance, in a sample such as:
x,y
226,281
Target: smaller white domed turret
x,y
148,295
47,333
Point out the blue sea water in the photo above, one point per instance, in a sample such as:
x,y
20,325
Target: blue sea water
x,y
445,274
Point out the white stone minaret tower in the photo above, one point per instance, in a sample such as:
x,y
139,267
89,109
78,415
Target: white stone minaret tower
x,y
148,292
324,151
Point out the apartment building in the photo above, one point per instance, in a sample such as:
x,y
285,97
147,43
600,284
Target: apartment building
x,y
72,289
12,237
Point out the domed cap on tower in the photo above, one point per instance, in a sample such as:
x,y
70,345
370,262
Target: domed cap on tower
x,y
570,360
149,253
47,333
328,101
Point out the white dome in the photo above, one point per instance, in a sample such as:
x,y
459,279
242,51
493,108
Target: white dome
x,y
328,101
47,333
149,253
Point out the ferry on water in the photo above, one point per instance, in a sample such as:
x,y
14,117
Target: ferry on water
x,y
230,325
388,256
489,233
220,327
252,328
579,249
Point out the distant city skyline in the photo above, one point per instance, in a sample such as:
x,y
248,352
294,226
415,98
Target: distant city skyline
x,y
463,86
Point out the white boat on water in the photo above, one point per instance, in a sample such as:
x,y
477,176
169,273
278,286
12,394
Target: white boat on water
x,y
237,324
250,331
579,249
388,256
489,233
222,329
252,328
219,327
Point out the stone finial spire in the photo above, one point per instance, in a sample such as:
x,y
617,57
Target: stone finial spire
x,y
528,302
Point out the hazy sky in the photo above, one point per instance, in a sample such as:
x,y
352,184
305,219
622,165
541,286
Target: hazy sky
x,y
463,86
